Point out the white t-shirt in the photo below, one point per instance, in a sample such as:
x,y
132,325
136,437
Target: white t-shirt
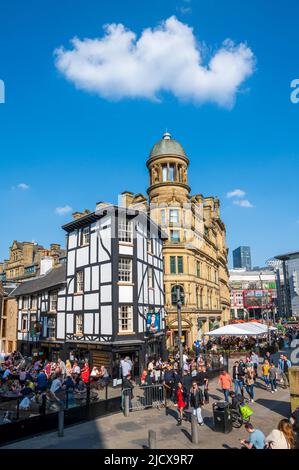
x,y
126,368
56,384
277,440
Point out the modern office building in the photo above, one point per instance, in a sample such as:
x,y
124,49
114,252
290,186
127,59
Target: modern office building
x,y
242,257
287,274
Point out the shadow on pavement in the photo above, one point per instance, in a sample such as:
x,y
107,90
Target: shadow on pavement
x,y
187,434
282,408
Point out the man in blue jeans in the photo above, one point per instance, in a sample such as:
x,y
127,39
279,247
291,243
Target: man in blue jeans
x,y
238,376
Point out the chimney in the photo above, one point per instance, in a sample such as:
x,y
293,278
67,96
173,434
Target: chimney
x,y
55,246
78,215
126,199
46,264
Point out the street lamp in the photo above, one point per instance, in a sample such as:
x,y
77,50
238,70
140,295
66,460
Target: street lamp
x,y
267,310
179,308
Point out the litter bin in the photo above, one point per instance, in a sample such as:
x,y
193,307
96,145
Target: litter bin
x,y
222,417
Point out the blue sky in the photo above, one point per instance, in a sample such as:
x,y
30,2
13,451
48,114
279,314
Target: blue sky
x,y
73,147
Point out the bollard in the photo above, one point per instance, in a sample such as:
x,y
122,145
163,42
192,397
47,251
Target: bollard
x,y
61,421
127,405
194,430
152,440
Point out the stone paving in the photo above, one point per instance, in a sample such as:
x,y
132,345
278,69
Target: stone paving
x,y
119,432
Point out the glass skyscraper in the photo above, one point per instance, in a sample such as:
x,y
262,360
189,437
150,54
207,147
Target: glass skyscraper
x,y
242,257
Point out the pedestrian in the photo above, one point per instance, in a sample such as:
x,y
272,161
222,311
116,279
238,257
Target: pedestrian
x,y
181,404
196,399
238,376
168,384
265,373
85,372
225,382
256,438
255,361
273,378
249,382
206,389
128,386
202,379
283,437
187,383
126,367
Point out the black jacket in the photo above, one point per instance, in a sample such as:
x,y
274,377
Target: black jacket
x,y
127,383
196,398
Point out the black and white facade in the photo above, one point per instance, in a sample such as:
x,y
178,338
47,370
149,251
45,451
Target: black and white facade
x,y
100,305
114,281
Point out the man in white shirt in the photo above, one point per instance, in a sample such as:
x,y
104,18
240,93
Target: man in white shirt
x,y
126,367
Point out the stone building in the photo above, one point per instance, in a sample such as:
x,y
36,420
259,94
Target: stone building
x,y
25,260
8,319
195,254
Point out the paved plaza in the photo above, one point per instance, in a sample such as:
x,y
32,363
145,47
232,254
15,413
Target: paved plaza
x,y
116,431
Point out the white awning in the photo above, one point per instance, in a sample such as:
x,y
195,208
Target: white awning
x,y
241,329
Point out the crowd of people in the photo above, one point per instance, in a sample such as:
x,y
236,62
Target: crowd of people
x,y
188,388
41,382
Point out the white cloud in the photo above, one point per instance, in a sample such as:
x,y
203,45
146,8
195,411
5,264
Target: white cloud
x,y
165,59
22,186
236,193
243,203
63,210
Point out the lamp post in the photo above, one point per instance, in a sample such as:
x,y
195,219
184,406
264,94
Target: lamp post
x,y
179,308
267,310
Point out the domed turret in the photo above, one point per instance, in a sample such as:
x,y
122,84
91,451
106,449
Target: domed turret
x,y
168,165
167,146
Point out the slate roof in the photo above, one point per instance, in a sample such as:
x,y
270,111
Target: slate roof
x,y
53,278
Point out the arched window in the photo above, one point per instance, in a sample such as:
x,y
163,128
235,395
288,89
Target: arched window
x,y
174,294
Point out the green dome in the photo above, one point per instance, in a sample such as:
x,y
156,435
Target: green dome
x,y
167,146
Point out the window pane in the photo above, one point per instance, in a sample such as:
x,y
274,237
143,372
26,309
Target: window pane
x,y
180,265
125,318
174,216
125,230
163,216
125,270
172,265
79,324
175,235
150,277
80,281
164,172
171,172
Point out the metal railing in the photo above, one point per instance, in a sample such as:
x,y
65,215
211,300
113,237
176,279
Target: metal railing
x,y
141,397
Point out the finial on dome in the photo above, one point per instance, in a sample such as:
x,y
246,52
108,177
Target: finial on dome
x,y
166,136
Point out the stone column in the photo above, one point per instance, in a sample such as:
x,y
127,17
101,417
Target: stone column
x,y
294,387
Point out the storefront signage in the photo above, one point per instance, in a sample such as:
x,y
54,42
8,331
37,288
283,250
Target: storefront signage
x,y
153,324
